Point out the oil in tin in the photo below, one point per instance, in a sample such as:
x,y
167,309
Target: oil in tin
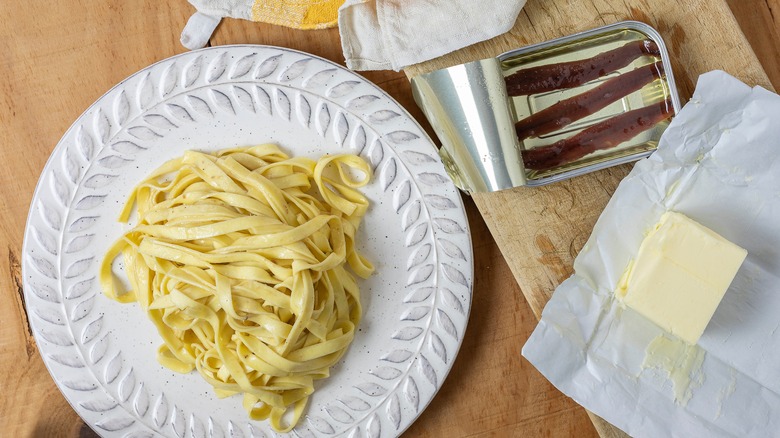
x,y
545,91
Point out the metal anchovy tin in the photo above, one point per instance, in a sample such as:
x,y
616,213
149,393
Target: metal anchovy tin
x,y
473,114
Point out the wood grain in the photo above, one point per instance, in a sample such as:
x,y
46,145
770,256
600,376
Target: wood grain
x,y
57,59
760,21
541,230
490,366
54,72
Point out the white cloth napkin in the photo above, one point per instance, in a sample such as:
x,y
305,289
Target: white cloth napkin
x,y
392,34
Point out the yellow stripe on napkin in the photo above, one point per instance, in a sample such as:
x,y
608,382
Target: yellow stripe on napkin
x,y
312,14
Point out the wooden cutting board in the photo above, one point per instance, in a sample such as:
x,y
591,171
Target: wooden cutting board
x,y
57,58
541,230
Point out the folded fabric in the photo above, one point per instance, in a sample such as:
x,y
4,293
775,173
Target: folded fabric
x,y
299,14
392,34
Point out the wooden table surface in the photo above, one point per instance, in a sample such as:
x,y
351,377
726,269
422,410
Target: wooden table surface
x,y
57,59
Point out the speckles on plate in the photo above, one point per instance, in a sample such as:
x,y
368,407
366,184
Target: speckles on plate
x,y
293,70
303,109
243,66
125,147
397,356
192,71
244,98
419,294
267,67
222,101
282,101
217,68
322,118
341,89
415,313
216,89
78,289
407,334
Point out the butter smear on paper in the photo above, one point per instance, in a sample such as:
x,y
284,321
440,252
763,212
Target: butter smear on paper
x,y
681,363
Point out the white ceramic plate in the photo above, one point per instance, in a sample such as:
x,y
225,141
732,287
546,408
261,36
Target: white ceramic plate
x,y
102,353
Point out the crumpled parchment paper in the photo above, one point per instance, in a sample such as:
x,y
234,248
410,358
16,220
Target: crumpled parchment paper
x,y
718,163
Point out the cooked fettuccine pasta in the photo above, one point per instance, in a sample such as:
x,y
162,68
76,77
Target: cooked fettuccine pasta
x,y
239,259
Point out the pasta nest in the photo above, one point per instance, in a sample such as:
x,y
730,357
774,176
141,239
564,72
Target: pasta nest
x,y
239,258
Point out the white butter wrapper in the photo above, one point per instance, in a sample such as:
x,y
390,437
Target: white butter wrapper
x,y
719,164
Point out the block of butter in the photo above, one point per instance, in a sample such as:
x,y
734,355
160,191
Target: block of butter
x,y
679,276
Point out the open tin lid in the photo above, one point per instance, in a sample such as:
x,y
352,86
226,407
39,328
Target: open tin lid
x,y
551,111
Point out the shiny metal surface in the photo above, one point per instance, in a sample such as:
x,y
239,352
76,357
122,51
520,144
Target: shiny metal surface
x,y
468,107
